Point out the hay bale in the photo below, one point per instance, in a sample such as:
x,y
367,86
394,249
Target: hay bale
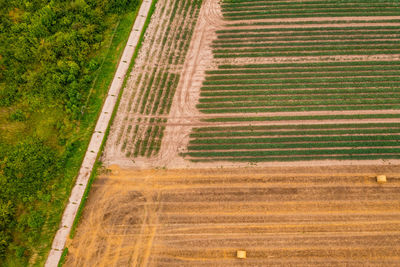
x,y
241,254
381,179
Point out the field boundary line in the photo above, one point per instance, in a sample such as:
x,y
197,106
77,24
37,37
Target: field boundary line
x,y
97,139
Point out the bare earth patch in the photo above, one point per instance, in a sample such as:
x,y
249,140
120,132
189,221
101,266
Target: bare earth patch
x,y
200,217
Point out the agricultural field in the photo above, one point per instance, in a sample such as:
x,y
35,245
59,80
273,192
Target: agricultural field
x,y
280,216
140,122
258,125
301,80
262,81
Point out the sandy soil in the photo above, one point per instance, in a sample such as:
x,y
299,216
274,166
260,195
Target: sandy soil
x,y
280,216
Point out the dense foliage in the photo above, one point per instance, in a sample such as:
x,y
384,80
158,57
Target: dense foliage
x,y
48,61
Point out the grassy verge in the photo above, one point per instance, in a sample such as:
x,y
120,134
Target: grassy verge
x,y
63,257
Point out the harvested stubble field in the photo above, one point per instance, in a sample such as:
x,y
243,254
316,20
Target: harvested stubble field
x,y
310,86
280,216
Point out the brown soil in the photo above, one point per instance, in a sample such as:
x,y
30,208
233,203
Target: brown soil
x,y
283,216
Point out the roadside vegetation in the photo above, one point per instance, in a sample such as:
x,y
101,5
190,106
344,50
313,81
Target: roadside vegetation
x,y
57,60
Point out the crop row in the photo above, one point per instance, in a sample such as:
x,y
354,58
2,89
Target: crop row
x,y
303,75
257,153
310,64
312,39
294,69
306,80
299,102
299,108
303,49
297,158
305,117
307,13
250,4
305,33
312,145
274,140
312,53
293,133
309,29
297,97
306,44
339,21
293,127
157,85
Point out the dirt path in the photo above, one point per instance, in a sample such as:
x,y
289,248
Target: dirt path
x,y
97,139
183,108
280,216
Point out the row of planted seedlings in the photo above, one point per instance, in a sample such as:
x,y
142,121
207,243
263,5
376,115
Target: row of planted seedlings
x,y
295,142
301,87
156,98
233,10
160,78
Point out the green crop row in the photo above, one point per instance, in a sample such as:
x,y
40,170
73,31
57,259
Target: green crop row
x,y
326,53
296,152
306,33
310,13
369,85
251,4
306,80
259,140
301,158
314,38
303,10
288,103
343,21
303,44
307,117
302,75
312,48
309,65
325,69
294,145
309,29
227,129
298,97
303,132
299,108
285,92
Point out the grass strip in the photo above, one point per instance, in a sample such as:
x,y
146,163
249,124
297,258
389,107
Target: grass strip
x,y
97,163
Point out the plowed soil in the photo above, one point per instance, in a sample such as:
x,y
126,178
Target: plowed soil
x,y
293,216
